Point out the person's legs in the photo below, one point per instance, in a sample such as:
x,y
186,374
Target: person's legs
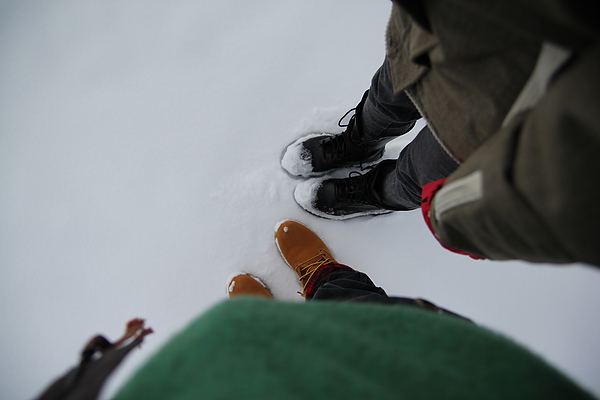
x,y
323,278
392,185
379,117
384,113
421,162
345,284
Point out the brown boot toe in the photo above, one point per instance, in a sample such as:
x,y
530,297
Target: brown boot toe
x,y
243,284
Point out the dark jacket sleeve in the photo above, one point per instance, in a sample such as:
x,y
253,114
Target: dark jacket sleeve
x,y
531,191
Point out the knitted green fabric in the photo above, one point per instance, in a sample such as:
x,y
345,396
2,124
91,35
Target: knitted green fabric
x,y
263,349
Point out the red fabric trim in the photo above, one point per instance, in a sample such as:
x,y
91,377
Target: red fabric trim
x,y
427,194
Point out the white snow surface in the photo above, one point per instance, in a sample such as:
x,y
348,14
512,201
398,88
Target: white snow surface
x,y
140,147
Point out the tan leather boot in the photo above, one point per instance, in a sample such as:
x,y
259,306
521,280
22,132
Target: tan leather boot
x,y
302,249
243,284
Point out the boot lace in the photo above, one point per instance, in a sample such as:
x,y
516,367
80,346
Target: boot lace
x,y
307,269
338,146
356,189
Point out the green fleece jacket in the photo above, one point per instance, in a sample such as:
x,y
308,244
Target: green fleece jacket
x,y
261,349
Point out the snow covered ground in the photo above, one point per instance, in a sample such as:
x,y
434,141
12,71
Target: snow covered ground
x,y
139,167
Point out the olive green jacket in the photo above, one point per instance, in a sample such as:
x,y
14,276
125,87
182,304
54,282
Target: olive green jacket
x,y
512,91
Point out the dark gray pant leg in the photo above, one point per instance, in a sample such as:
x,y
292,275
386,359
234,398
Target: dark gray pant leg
x,y
421,162
349,285
384,113
424,160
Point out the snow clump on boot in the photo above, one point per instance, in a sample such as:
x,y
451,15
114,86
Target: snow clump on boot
x,y
297,160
